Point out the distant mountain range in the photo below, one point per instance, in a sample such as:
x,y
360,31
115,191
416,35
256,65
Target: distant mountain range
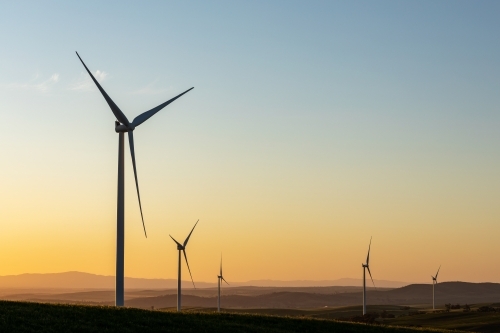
x,y
446,292
272,297
79,280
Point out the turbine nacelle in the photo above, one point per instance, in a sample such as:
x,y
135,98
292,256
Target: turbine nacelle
x,y
121,128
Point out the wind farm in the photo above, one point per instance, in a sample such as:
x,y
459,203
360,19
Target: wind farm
x,y
314,127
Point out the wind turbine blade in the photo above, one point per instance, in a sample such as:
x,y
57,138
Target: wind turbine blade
x,y
368,256
114,108
175,241
187,239
438,271
224,280
132,154
371,276
189,269
148,114
221,264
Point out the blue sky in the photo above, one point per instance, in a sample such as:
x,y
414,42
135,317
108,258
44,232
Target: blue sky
x,y
361,114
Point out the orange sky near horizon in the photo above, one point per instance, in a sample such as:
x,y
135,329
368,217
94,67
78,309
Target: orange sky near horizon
x,y
267,226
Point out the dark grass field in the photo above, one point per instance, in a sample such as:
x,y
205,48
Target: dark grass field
x,y
36,317
484,322
321,313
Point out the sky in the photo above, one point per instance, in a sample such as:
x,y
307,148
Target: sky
x,y
313,126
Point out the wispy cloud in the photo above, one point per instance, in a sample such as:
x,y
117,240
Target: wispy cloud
x,y
151,89
34,84
85,83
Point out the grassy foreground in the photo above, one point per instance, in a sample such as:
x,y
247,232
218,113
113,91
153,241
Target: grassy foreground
x,y
488,322
339,313
37,317
473,321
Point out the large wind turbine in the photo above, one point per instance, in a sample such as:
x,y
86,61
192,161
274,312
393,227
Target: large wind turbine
x,y
122,125
365,267
220,278
434,282
182,248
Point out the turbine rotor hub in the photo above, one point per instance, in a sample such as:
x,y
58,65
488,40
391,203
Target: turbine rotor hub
x,y
121,128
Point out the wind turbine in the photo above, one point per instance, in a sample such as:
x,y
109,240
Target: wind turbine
x,y
182,248
122,125
365,267
434,282
220,278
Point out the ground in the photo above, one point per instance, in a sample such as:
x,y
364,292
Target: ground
x,y
37,317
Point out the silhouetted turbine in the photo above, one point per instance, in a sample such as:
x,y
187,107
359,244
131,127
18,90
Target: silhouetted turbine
x,y
434,282
365,267
182,248
122,125
220,278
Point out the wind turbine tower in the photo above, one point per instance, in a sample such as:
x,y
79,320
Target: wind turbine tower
x,y
182,248
220,278
434,282
122,125
366,267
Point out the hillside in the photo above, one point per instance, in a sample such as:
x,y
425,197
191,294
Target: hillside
x,y
484,322
284,298
35,317
447,292
109,294
474,320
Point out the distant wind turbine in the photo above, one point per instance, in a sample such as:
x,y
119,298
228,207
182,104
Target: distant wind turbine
x,y
220,278
365,267
182,248
434,282
122,125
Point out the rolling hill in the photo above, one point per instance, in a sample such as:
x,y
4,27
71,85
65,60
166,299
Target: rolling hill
x,y
35,317
446,292
257,297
